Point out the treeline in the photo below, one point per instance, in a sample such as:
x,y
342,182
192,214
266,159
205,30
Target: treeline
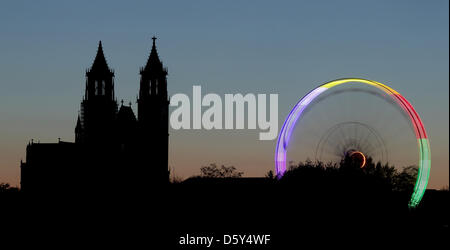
x,y
348,174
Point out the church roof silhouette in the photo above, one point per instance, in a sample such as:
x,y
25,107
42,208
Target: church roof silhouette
x,y
126,114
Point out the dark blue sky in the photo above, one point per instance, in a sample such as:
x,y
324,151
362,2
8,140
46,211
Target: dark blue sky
x,y
284,47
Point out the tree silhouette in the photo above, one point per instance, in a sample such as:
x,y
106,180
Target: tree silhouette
x,y
6,188
404,181
270,175
212,171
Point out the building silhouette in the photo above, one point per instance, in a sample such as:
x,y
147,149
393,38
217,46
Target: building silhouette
x,y
113,149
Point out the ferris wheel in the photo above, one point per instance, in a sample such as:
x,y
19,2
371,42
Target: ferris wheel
x,y
360,119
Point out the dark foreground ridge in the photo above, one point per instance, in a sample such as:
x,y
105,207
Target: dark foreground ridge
x,y
292,216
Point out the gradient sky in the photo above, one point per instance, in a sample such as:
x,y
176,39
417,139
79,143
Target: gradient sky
x,y
227,47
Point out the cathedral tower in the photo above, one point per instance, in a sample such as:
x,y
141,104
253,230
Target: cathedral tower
x,y
153,120
95,124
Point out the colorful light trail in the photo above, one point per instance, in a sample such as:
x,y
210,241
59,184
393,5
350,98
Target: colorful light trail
x,y
419,130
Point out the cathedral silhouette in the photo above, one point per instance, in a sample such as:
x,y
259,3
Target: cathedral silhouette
x,y
113,150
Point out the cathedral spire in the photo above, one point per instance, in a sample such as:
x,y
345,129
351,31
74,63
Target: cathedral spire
x,y
153,62
100,63
100,78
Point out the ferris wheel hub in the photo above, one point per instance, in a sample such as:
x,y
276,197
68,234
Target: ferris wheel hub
x,y
357,157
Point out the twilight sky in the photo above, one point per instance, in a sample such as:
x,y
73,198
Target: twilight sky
x,y
287,47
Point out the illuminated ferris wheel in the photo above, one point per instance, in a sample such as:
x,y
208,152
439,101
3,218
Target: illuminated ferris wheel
x,y
357,119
